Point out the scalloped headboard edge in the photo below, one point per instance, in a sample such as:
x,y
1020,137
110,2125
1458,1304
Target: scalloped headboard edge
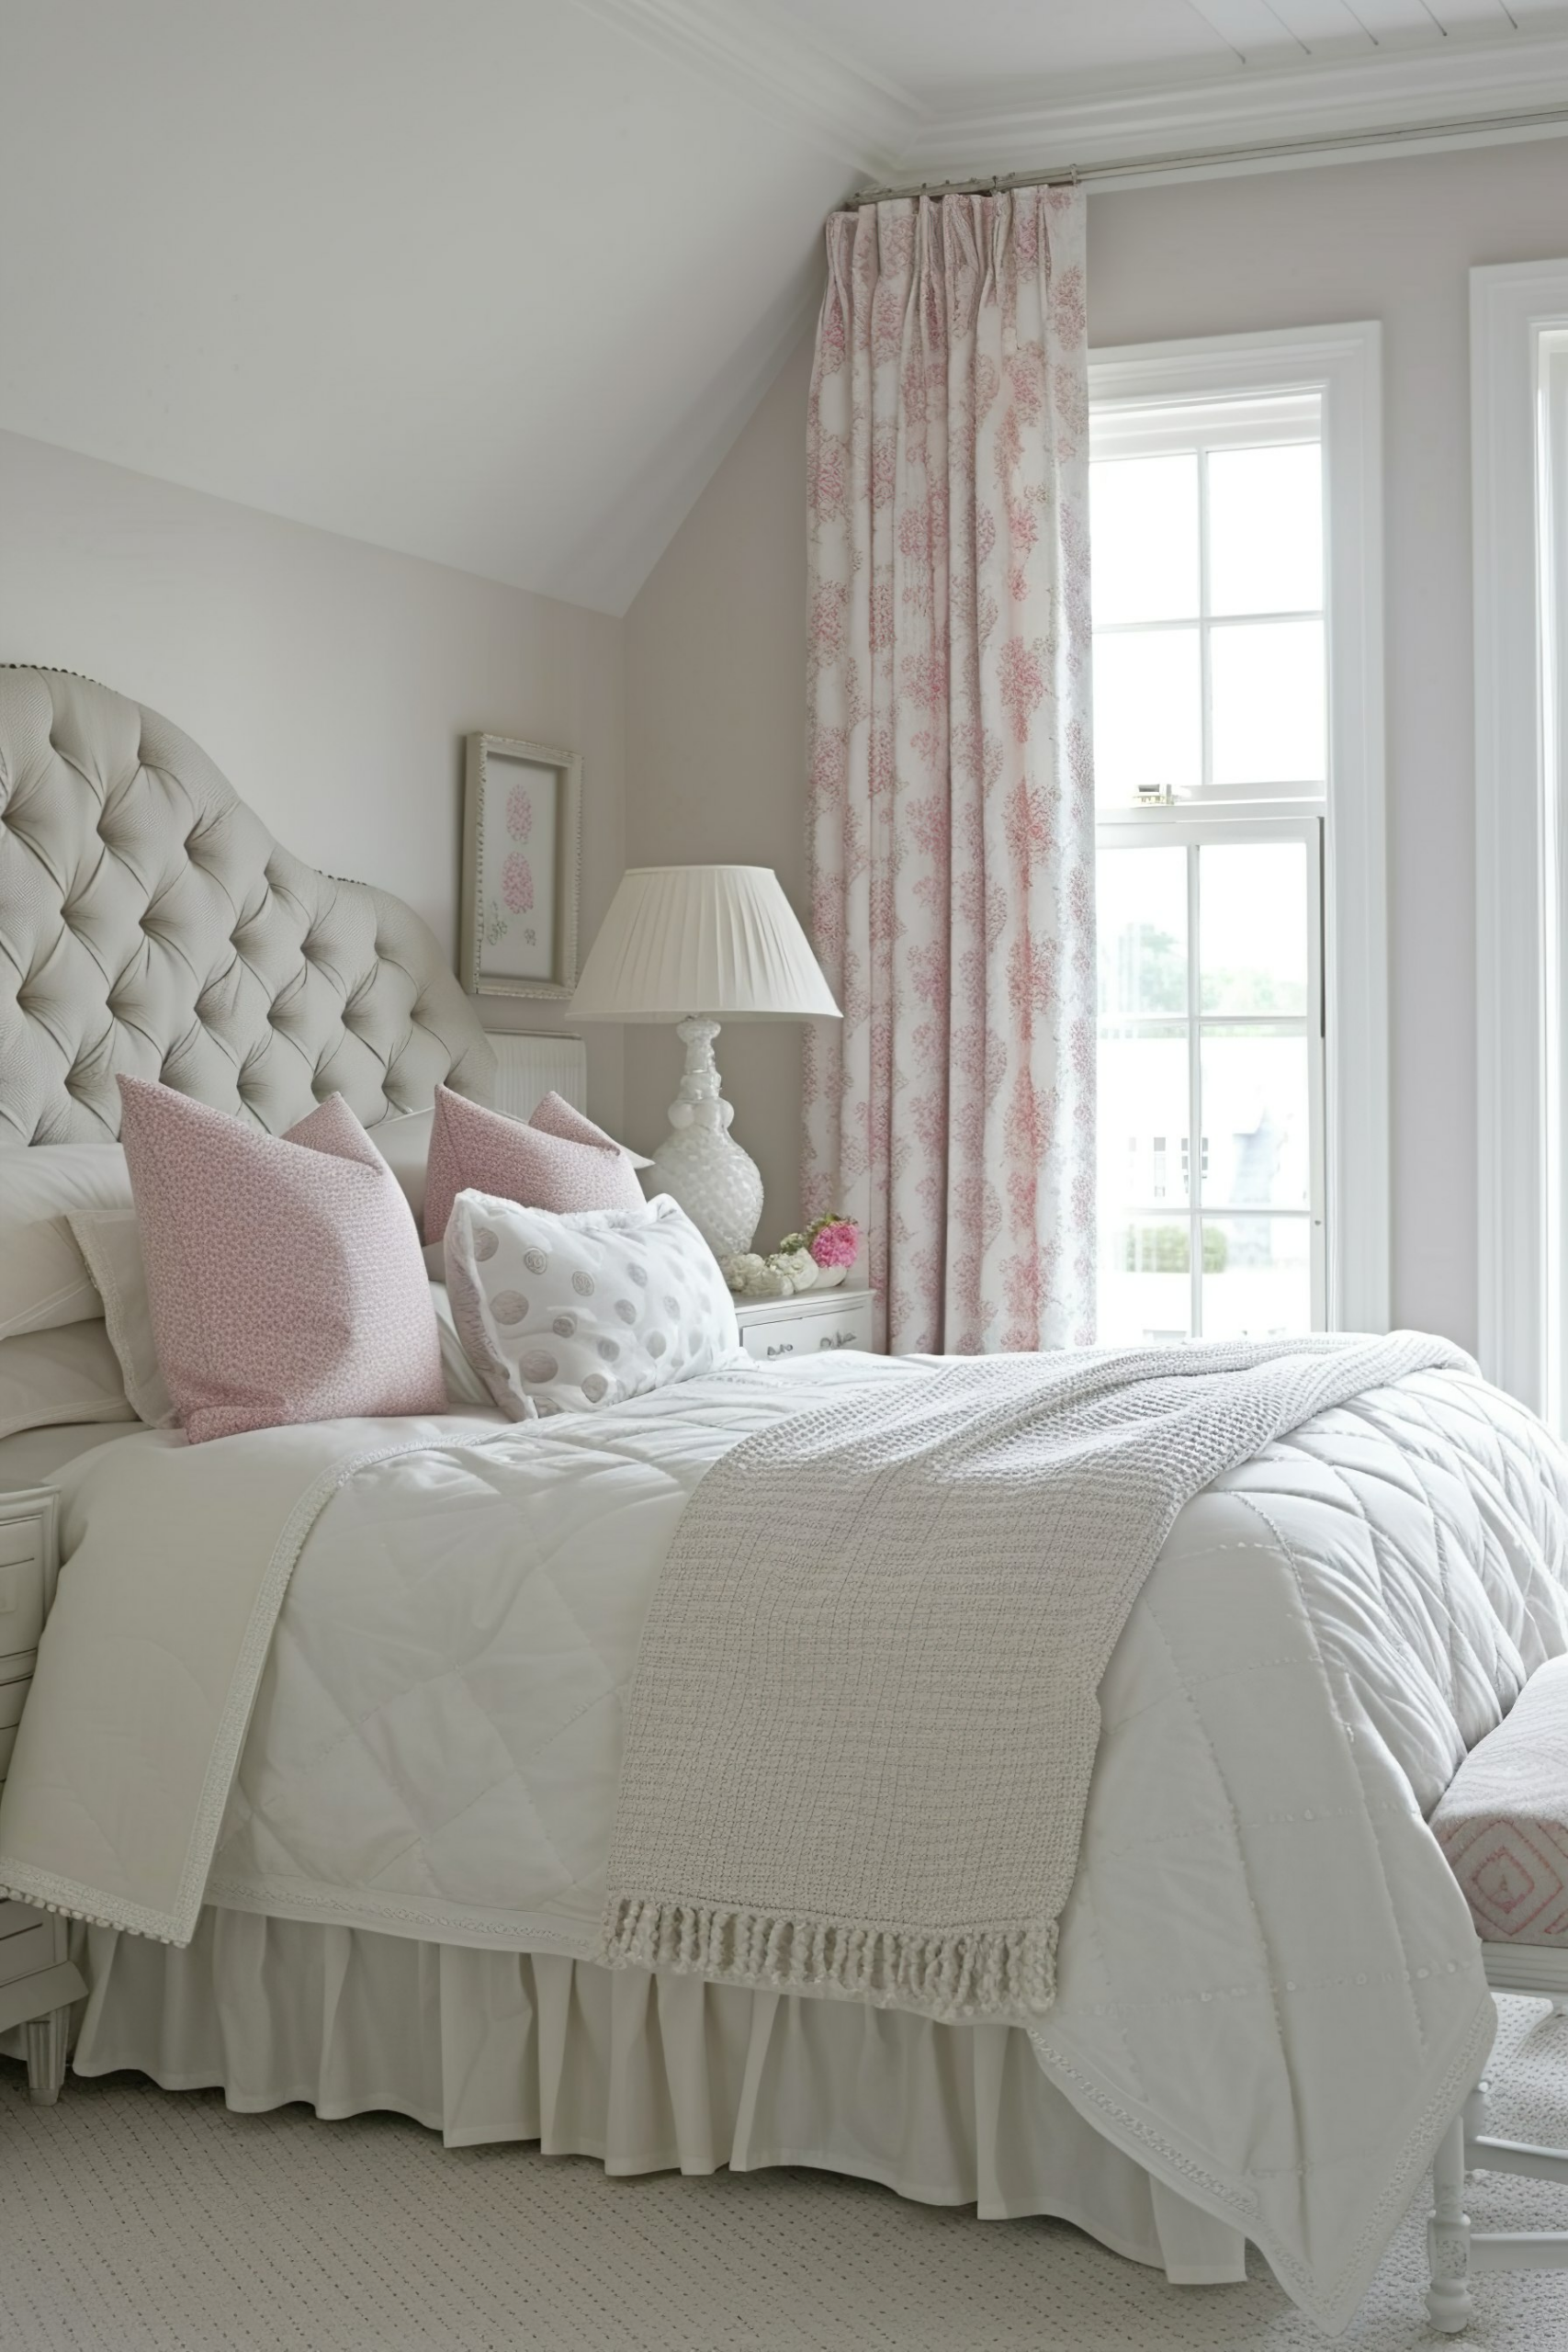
x,y
150,923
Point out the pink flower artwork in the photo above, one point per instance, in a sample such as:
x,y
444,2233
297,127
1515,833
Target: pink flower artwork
x,y
517,883
951,1113
519,812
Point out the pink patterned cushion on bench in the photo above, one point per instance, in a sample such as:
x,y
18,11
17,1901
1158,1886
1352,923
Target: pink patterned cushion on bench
x,y
1503,1824
284,1272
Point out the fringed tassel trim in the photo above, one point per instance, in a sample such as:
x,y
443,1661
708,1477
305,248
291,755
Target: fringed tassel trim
x,y
88,1918
962,1974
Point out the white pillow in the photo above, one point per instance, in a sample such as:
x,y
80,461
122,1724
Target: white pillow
x,y
44,1282
464,1387
111,1245
403,1143
560,1314
69,1375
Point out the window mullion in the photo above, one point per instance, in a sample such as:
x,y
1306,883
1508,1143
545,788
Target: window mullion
x,y
1194,1098
1204,650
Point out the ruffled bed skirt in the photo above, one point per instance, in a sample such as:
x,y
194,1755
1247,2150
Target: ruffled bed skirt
x,y
646,2073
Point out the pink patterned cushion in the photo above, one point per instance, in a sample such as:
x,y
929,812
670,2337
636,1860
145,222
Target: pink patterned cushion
x,y
284,1272
559,1161
1503,1824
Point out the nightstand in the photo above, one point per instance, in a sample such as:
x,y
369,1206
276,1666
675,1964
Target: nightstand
x,y
811,1323
38,1983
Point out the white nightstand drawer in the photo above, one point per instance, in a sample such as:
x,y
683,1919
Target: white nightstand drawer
x,y
27,1563
776,1329
28,1941
13,1697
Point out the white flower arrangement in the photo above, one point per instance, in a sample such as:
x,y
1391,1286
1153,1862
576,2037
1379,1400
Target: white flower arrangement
x,y
815,1260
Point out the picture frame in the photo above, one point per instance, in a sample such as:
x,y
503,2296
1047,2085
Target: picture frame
x,y
522,845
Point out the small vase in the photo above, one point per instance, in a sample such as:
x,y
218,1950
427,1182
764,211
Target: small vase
x,y
830,1277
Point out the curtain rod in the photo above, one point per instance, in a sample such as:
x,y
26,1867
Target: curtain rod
x,y
1079,175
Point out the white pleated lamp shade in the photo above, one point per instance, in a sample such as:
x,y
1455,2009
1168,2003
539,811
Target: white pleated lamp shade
x,y
681,940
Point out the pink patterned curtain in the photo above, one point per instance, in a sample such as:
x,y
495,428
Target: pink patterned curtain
x,y
951,797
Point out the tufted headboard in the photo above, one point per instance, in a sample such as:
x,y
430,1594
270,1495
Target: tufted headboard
x,y
150,923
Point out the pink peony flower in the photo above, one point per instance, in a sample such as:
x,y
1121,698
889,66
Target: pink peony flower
x,y
519,813
837,1245
517,883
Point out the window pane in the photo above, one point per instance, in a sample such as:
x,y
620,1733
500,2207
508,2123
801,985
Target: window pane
x,y
1265,530
1252,927
1144,526
1257,1143
1268,702
1147,728
1145,1116
1142,923
1257,1277
1145,1288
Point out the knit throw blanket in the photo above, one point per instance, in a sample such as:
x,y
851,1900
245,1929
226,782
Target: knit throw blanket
x,y
864,1715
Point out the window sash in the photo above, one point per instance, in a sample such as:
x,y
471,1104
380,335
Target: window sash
x,y
1151,828
1338,369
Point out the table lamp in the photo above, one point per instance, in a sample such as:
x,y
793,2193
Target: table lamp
x,y
694,944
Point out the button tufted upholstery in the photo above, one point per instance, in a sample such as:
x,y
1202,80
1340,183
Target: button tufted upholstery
x,y
150,923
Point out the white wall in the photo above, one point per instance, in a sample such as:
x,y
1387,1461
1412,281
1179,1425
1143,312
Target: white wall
x,y
715,641
332,682
715,700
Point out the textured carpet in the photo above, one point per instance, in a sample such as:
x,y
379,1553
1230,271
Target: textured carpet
x,y
135,2220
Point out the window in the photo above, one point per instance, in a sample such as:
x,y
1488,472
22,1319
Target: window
x,y
1234,567
1520,407
1209,994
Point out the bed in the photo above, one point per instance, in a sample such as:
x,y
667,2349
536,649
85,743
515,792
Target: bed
x,y
1267,1990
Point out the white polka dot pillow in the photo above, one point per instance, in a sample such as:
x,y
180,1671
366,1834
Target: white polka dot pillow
x,y
566,1314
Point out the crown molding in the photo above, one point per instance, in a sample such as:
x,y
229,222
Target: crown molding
x,y
1461,84
800,83
1462,91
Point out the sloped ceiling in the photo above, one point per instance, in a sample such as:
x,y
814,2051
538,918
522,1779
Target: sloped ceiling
x,y
495,282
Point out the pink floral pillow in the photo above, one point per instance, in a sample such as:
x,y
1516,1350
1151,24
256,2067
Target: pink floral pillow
x,y
559,1161
284,1273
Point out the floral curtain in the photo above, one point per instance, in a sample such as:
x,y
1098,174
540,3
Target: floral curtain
x,y
951,790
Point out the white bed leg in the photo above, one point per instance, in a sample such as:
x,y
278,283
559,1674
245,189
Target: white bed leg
x,y
1448,2304
46,2056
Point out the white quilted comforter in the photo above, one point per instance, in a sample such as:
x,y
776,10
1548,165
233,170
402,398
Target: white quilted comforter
x,y
1268,1990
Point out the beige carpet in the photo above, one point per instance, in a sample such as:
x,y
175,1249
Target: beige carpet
x,y
134,2219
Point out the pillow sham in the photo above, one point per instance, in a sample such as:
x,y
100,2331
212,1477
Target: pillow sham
x,y
110,1242
565,1314
465,1389
67,1375
405,1144
284,1272
473,1149
44,1282
554,1115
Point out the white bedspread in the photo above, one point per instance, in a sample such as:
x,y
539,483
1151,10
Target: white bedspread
x,y
1269,1991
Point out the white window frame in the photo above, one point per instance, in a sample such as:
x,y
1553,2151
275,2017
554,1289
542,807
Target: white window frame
x,y
1194,826
1520,526
1342,365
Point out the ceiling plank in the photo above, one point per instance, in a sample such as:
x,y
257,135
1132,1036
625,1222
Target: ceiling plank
x,y
1250,27
1402,20
1321,24
1486,16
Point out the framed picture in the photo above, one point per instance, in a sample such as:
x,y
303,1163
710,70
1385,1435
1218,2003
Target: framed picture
x,y
521,820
